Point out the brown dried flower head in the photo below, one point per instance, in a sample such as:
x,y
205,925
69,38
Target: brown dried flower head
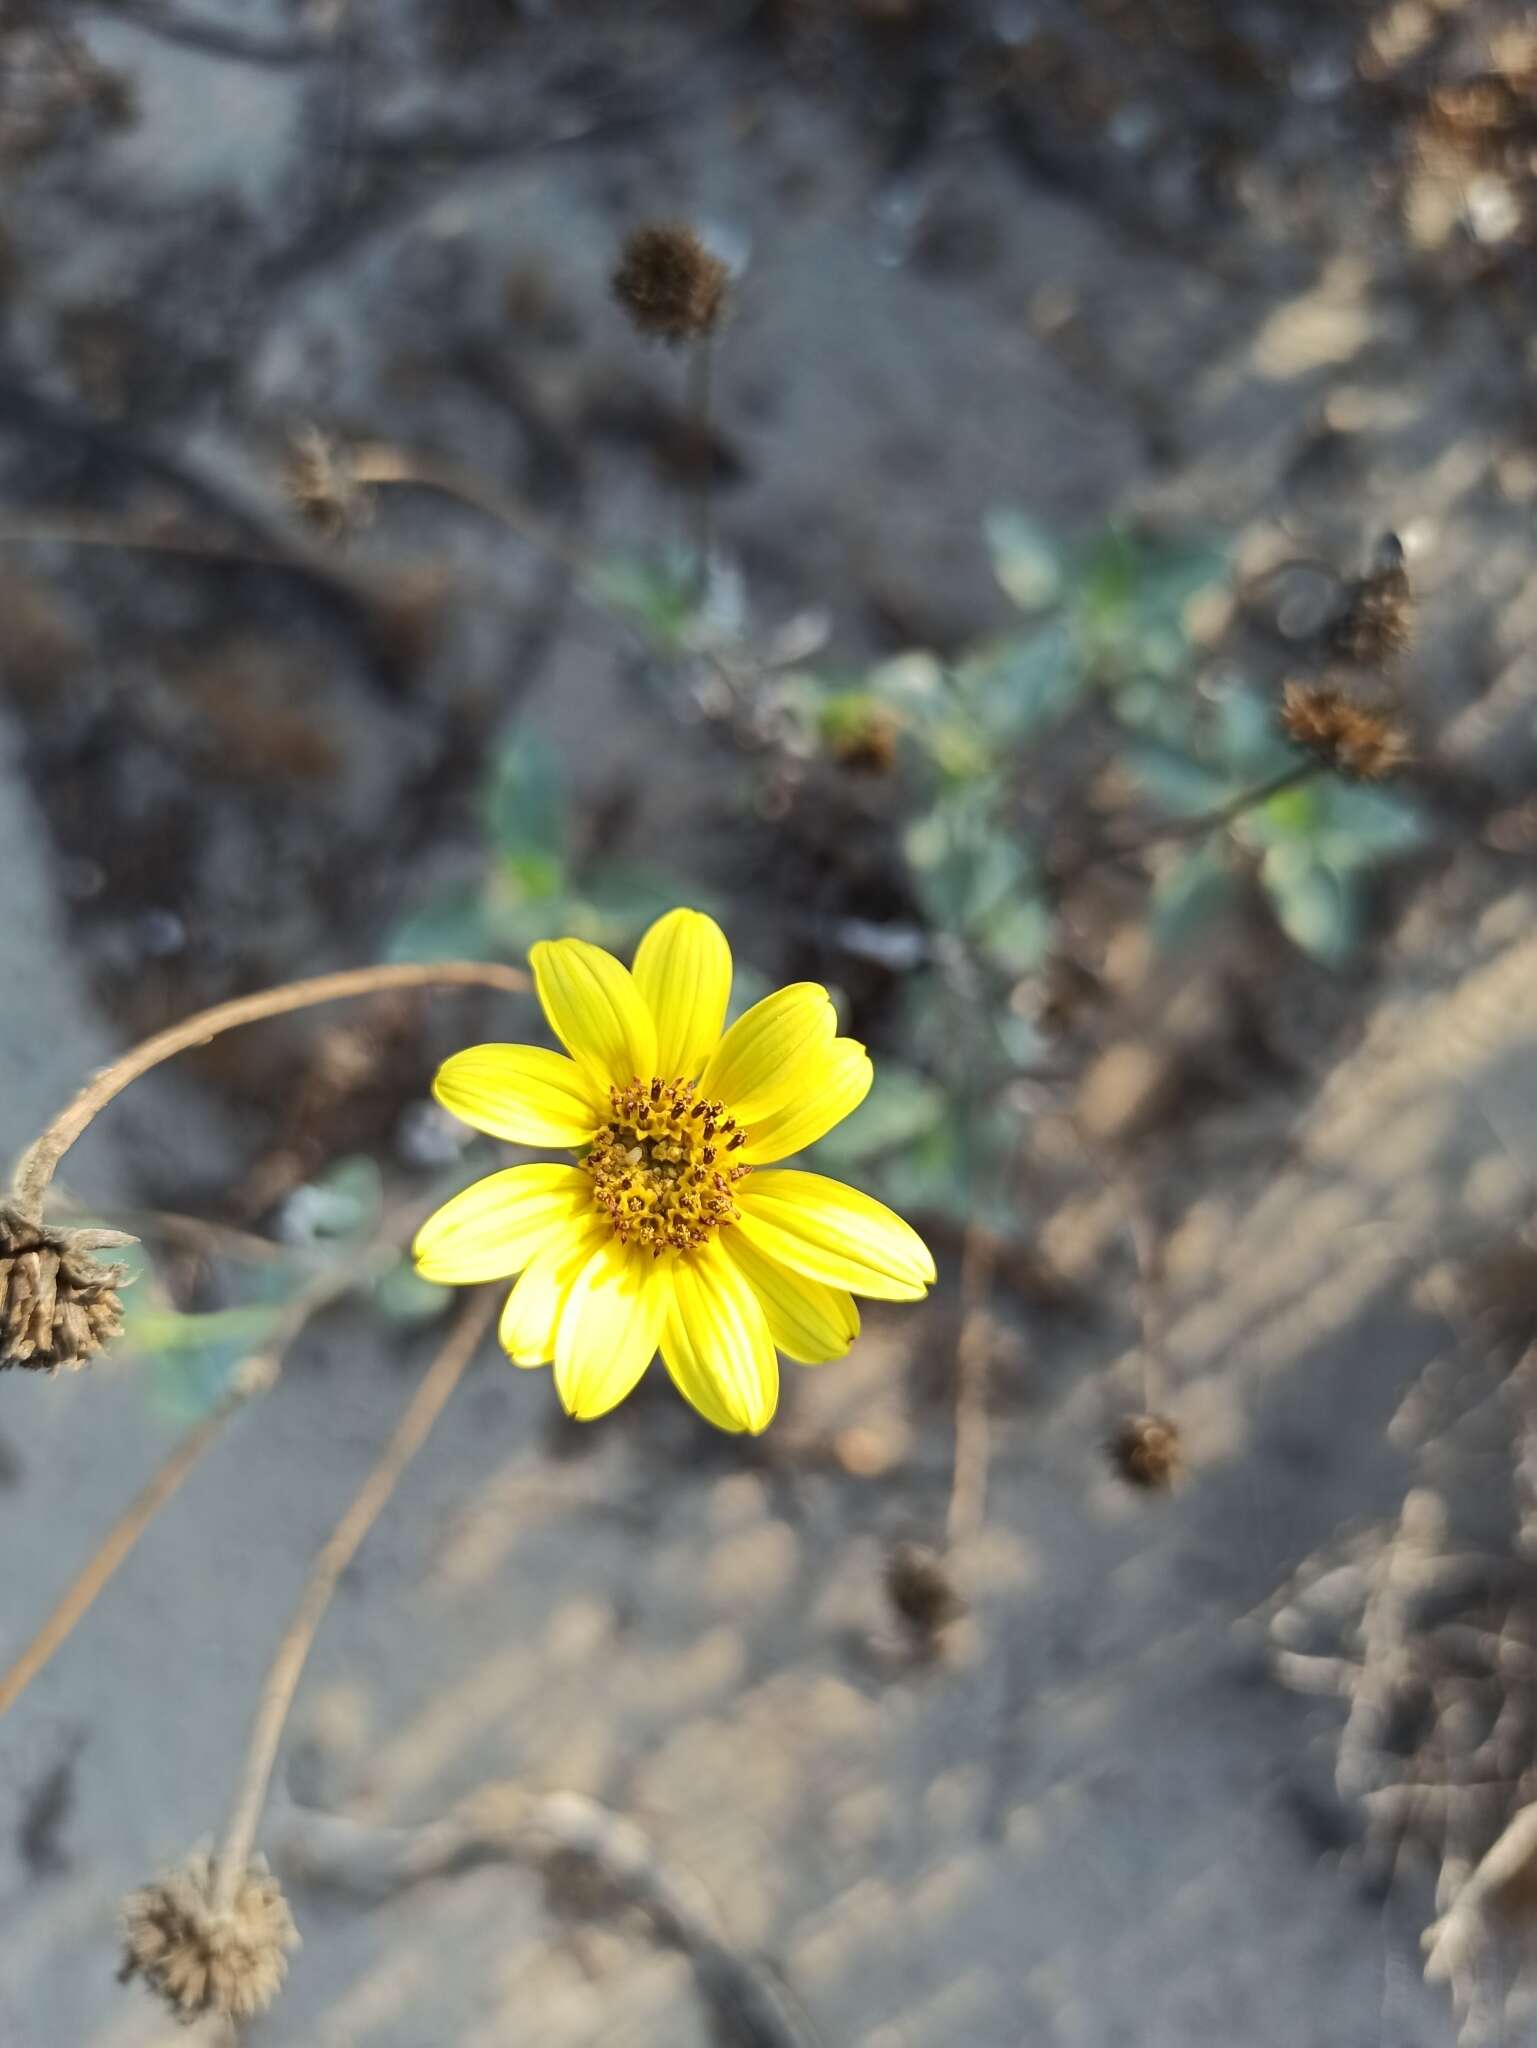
x,y
1364,745
321,486
669,283
58,1304
1377,621
918,1587
203,1961
1145,1451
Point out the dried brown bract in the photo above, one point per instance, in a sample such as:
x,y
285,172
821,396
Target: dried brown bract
x,y
321,486
1145,1451
919,1589
1361,744
58,1304
669,283
201,1960
1377,621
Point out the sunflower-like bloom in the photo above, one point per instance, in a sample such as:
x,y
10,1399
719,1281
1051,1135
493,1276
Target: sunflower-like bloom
x,y
675,1229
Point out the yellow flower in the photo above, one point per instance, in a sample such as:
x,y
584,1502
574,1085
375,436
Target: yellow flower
x,y
674,1230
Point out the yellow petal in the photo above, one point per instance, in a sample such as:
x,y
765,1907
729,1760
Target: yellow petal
x,y
683,969
839,1084
760,1062
717,1345
496,1226
610,1327
595,1010
522,1093
834,1234
807,1321
532,1313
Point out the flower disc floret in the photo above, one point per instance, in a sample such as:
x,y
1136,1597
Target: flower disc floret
x,y
663,1167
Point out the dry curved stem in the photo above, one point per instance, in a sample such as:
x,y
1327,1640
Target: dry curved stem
x,y
412,1431
40,1161
973,1355
257,1374
377,463
504,1823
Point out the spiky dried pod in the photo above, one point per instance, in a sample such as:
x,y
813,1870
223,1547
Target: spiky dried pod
x,y
919,1588
58,1304
1376,622
668,282
1145,1451
201,1960
1361,744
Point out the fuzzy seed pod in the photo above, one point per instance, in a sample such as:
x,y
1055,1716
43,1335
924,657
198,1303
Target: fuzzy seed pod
x,y
1145,1451
1362,745
58,1305
200,1961
1377,621
918,1587
669,283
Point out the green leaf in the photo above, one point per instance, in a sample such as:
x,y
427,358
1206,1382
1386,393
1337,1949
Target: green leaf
x,y
1016,936
1020,685
524,813
1026,560
1319,908
902,1107
1247,738
659,594
340,1205
1188,894
405,1297
1359,825
452,928
1176,782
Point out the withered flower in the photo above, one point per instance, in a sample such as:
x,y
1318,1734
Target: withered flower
x,y
58,1304
1377,621
669,283
1145,1451
1363,745
199,1959
919,1589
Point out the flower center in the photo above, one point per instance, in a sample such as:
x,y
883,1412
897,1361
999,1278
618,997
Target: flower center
x,y
662,1167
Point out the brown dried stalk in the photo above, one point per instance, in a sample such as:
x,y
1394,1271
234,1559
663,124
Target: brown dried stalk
x,y
257,1374
39,1163
423,1410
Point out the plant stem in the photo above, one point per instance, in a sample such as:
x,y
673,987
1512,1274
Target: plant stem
x,y
1209,821
973,1355
412,1431
257,1374
38,1163
701,377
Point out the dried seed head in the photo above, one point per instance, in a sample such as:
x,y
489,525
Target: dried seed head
x,y
669,283
918,1587
58,1305
320,485
1145,1451
1377,622
1363,745
199,1960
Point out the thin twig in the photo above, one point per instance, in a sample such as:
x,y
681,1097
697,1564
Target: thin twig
x,y
504,1823
37,1165
377,463
973,1355
412,1431
257,1374
195,1233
